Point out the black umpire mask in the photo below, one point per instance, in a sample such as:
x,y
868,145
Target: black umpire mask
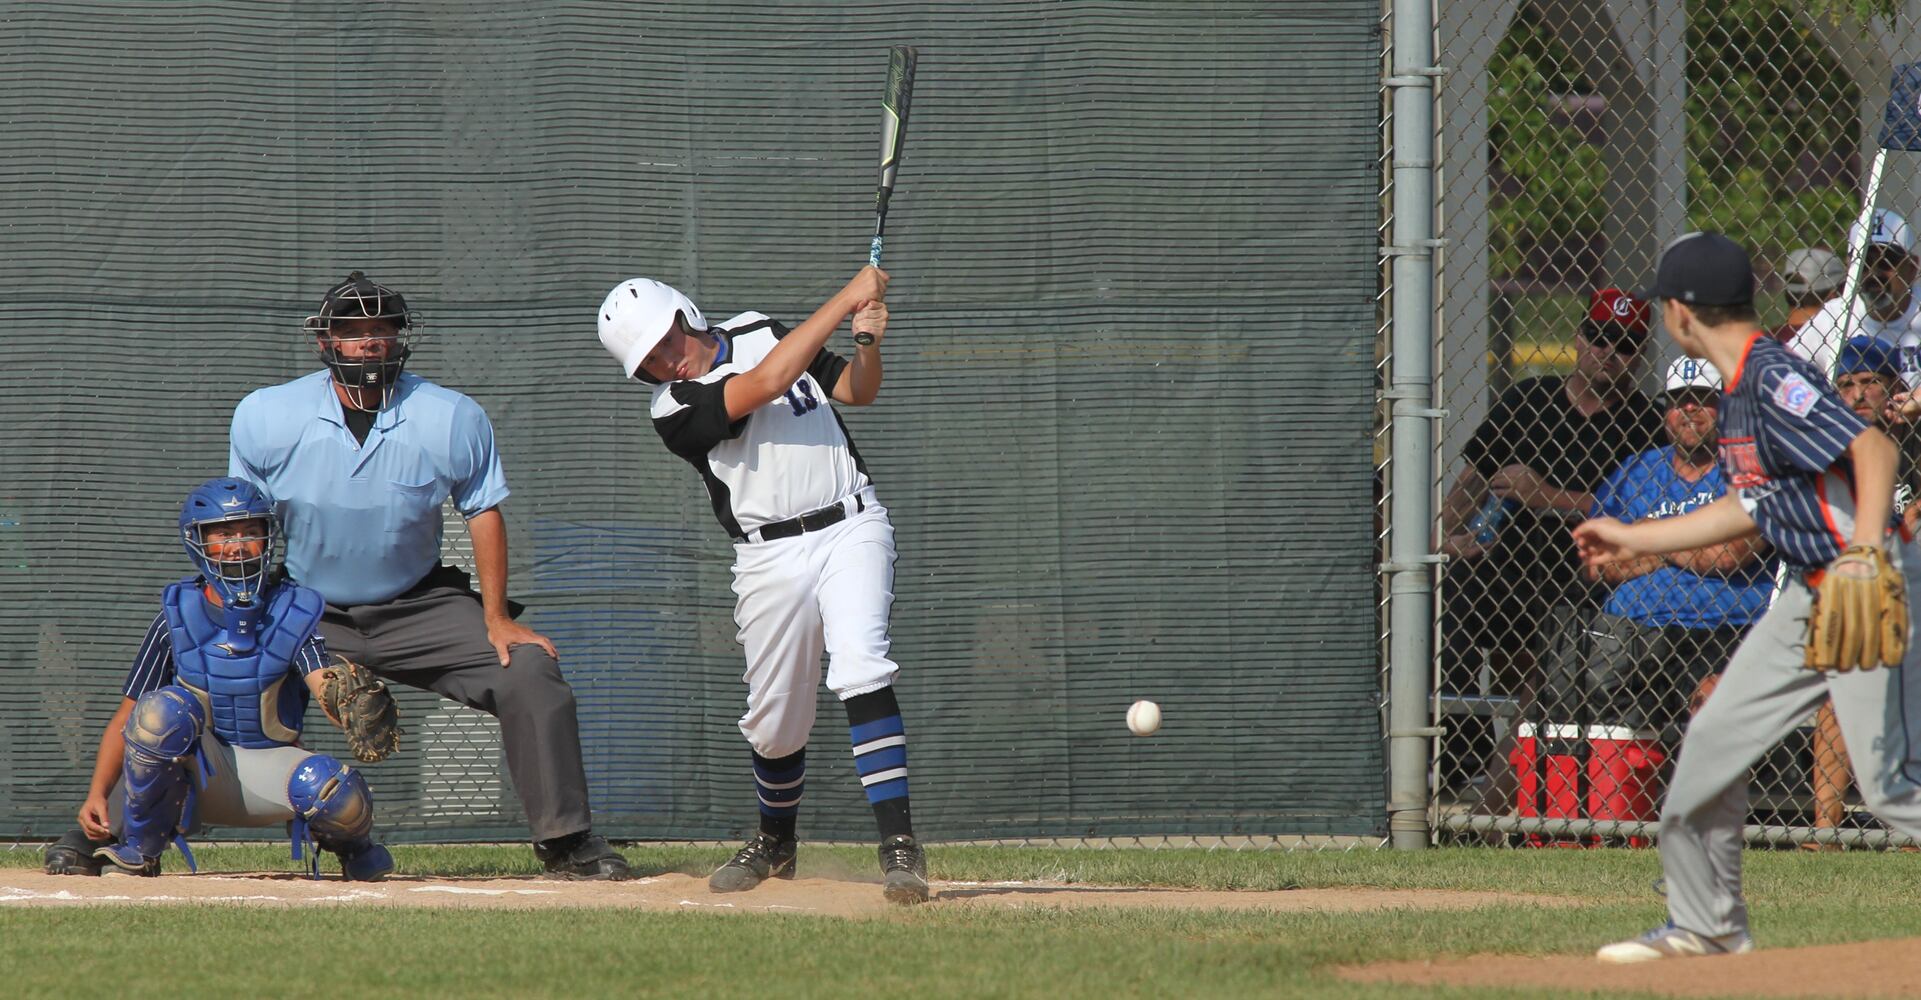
x,y
369,374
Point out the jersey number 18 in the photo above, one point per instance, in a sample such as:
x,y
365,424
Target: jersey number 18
x,y
801,397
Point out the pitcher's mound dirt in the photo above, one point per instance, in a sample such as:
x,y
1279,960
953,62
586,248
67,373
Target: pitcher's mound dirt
x,y
1865,969
823,897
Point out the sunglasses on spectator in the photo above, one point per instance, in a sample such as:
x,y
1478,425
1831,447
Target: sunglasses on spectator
x,y
1618,339
1682,400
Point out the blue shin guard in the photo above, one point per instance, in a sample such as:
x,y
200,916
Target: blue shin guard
x,y
334,811
163,766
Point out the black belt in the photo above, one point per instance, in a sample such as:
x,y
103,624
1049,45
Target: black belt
x,y
813,520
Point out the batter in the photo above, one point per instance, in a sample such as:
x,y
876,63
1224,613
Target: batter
x,y
749,404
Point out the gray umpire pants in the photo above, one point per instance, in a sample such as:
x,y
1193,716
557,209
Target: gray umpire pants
x,y
1764,694
436,639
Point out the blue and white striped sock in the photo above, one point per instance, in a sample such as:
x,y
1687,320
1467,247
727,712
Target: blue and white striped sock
x,y
880,757
779,782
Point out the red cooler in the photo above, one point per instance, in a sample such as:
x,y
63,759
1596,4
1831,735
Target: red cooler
x,y
1602,772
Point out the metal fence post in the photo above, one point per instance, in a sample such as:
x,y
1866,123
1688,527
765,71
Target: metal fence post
x,y
1410,565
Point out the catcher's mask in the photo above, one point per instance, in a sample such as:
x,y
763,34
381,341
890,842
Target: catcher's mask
x,y
241,583
376,359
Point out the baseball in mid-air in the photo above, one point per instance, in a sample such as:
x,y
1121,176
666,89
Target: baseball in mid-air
x,y
1143,717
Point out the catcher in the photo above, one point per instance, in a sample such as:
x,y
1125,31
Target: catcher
x,y
1817,482
208,731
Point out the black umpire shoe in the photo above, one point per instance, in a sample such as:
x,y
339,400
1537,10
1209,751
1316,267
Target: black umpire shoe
x,y
903,870
582,857
766,856
72,854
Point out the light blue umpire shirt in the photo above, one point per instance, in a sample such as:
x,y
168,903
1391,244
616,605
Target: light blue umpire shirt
x,y
363,521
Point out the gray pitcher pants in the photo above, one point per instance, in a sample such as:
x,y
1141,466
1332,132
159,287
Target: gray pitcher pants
x,y
1764,694
436,639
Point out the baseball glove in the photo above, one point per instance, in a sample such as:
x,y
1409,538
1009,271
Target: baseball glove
x,y
359,702
1860,614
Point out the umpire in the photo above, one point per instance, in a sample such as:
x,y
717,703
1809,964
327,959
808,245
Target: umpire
x,y
361,456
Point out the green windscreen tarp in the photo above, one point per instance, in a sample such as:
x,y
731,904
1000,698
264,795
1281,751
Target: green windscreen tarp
x,y
1124,434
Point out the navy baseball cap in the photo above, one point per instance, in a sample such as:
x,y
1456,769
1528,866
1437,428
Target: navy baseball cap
x,y
1703,269
1867,354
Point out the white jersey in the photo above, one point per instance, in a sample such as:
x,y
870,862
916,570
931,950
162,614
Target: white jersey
x,y
785,459
1819,339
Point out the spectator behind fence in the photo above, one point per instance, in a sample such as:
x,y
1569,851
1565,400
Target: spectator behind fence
x,y
1885,305
1534,463
1867,379
1671,620
1809,278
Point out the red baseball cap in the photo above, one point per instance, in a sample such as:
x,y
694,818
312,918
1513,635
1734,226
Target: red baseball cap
x,y
1614,307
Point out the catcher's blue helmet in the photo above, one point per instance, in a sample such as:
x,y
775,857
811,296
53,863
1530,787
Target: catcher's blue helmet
x,y
240,583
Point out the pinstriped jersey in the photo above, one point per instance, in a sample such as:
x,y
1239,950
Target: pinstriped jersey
x,y
1783,430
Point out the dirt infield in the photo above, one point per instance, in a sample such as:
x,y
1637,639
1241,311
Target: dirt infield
x,y
676,892
1864,969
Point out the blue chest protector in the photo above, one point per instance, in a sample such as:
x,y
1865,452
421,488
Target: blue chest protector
x,y
254,698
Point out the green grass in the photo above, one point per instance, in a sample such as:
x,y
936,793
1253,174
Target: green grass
x,y
1797,899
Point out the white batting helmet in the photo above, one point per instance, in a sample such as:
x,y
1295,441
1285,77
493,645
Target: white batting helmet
x,y
636,314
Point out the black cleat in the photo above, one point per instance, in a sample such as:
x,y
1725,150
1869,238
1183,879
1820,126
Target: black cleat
x,y
582,857
903,870
766,856
72,854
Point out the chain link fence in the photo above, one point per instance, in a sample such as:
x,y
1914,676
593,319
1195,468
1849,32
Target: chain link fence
x,y
1574,139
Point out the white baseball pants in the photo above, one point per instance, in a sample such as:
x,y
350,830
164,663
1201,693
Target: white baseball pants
x,y
829,590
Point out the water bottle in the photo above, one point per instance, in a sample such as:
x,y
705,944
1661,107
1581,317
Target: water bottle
x,y
1486,522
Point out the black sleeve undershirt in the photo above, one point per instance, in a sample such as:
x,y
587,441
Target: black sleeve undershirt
x,y
359,422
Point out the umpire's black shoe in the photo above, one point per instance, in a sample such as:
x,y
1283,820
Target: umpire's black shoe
x,y
72,854
903,870
582,857
766,856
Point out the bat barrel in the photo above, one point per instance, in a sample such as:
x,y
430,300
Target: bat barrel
x,y
894,105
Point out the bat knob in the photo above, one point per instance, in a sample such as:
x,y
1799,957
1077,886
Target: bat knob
x,y
864,339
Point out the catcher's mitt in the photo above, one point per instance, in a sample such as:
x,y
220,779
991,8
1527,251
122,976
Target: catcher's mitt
x,y
1860,614
360,703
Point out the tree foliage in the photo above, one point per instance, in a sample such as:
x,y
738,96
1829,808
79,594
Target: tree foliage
x,y
1771,123
1863,9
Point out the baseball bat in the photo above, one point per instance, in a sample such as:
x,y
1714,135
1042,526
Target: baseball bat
x,y
893,136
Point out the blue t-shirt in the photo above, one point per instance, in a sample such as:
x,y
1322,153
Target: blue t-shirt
x,y
363,521
1647,486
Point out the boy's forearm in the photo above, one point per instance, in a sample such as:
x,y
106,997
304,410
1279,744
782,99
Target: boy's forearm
x,y
864,374
1721,521
111,754
1873,456
784,364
